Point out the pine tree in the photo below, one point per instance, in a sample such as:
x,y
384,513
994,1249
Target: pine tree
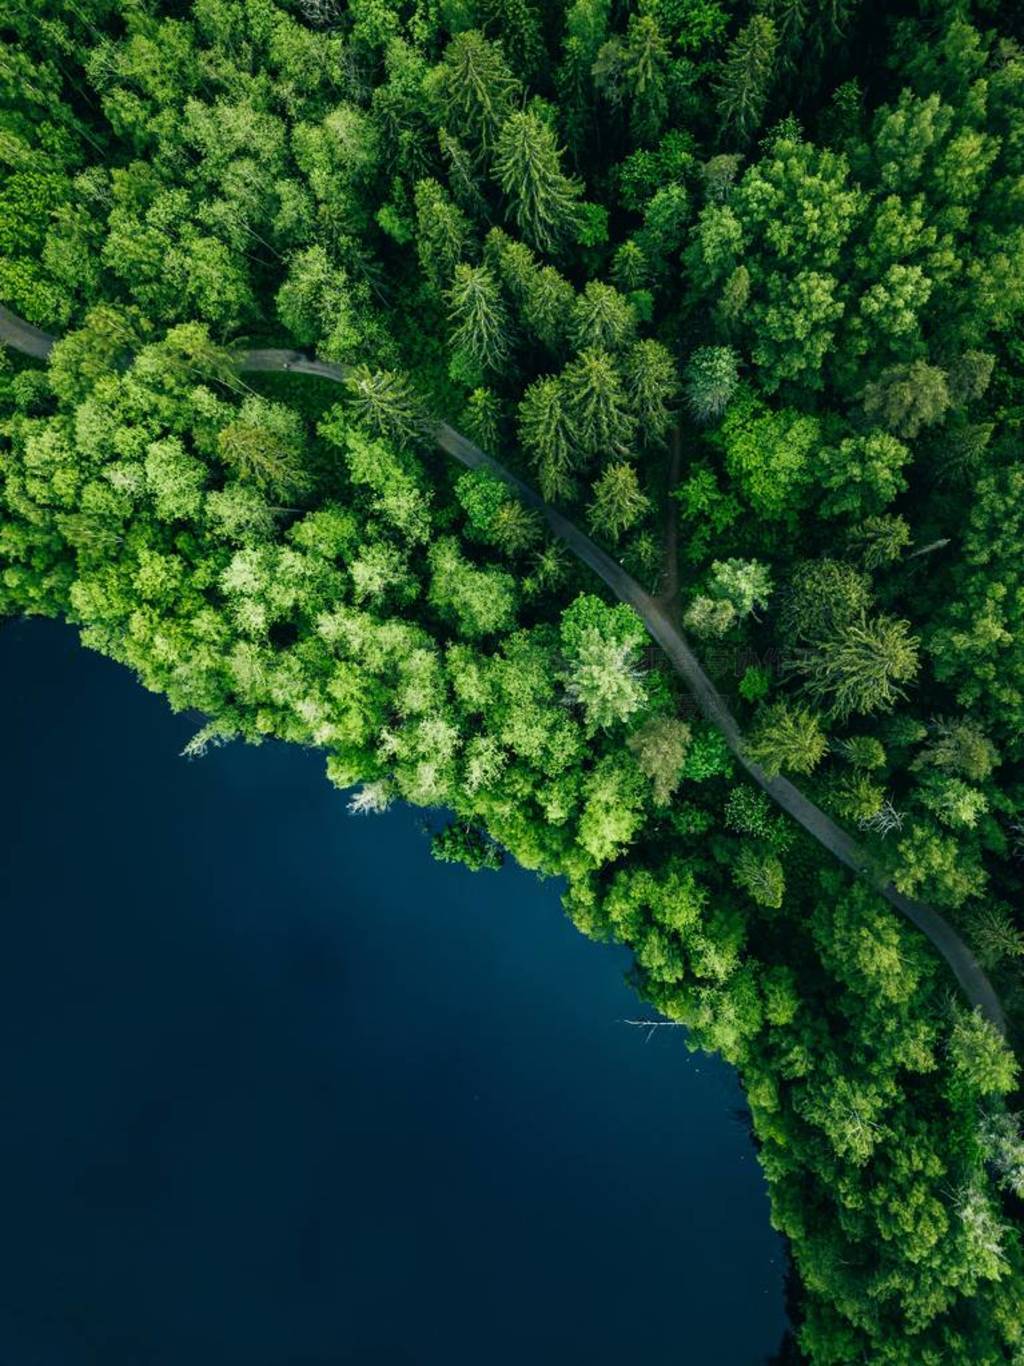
x,y
601,317
712,375
652,388
545,434
527,166
477,313
475,88
788,737
746,75
442,233
618,502
387,405
599,418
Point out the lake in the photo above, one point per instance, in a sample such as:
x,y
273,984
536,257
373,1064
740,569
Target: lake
x,y
280,1090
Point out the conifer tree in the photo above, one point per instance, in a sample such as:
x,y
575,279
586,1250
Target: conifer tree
x,y
546,435
787,737
462,176
601,317
386,403
442,233
545,299
600,420
630,269
527,166
712,375
862,668
632,72
652,389
475,88
481,419
618,501
477,313
746,75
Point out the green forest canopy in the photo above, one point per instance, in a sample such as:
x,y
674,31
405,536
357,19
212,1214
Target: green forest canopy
x,y
740,287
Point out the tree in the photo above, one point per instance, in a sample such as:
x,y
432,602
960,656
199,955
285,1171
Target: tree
x,y
475,88
479,602
861,668
709,617
618,501
978,1056
477,314
747,584
660,747
482,419
863,474
468,845
544,299
600,645
761,876
787,737
265,443
527,166
652,388
768,453
546,433
633,72
880,540
746,75
601,318
600,422
958,745
442,233
386,403
712,375
906,398
822,598
952,801
933,865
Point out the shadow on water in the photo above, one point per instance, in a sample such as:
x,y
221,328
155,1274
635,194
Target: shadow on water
x,y
279,1090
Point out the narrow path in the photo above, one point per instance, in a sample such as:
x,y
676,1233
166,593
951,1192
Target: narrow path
x,y
821,827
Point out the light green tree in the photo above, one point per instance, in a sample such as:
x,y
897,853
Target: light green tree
x,y
527,165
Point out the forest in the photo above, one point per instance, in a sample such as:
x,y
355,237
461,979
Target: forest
x,y
735,289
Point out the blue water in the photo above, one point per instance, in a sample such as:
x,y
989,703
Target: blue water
x,y
279,1090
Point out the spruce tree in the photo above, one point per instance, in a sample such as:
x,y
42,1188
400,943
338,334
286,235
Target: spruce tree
x,y
527,166
619,502
442,233
477,314
546,436
601,317
600,420
712,375
746,76
652,389
786,736
475,88
385,402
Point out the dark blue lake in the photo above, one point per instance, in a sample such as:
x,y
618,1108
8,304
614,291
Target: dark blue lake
x,y
280,1090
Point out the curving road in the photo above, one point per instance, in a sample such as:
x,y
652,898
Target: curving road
x,y
968,972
